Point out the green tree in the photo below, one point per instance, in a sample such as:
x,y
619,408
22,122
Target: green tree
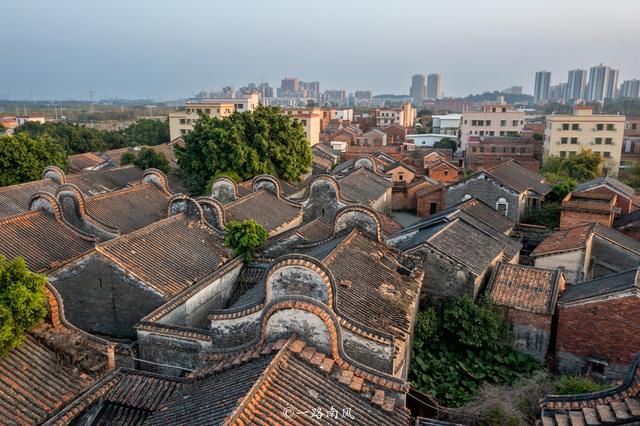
x,y
147,158
561,189
246,144
147,131
583,166
22,302
446,143
22,158
74,139
244,237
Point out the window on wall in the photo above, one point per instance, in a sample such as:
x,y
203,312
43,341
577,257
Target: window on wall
x,y
563,154
565,126
599,126
610,127
574,141
598,141
608,141
606,154
575,126
515,123
503,123
502,206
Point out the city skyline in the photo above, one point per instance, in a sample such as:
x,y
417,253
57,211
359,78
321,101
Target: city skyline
x,y
138,50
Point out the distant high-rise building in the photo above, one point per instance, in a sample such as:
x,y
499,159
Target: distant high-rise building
x,y
265,90
311,87
541,88
556,92
603,83
433,86
513,90
576,85
290,84
612,84
418,89
630,89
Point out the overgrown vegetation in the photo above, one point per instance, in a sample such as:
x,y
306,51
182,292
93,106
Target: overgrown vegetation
x,y
23,158
563,174
244,237
631,176
446,143
247,144
569,385
22,302
147,158
462,346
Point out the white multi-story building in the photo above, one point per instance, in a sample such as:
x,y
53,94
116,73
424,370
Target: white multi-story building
x,y
181,122
494,120
446,124
603,83
567,135
630,89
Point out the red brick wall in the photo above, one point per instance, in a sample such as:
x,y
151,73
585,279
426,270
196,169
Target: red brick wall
x,y
623,203
423,203
439,174
609,330
570,218
528,319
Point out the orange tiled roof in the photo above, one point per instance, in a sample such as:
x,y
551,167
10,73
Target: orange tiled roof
x,y
525,288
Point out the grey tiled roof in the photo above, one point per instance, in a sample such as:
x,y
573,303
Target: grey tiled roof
x,y
607,285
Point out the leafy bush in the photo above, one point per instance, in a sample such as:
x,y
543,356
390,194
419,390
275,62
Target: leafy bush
x,y
147,158
22,302
446,143
461,347
569,385
548,215
244,237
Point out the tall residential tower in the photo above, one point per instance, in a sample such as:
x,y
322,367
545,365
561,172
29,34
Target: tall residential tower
x,y
542,85
433,86
418,90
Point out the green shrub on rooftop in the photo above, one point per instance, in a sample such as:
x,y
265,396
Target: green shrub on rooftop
x,y
244,237
22,302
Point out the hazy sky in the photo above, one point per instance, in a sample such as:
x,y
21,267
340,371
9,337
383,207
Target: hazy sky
x,y
170,49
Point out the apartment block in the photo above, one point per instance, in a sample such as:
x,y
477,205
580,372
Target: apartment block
x,y
493,120
311,119
404,116
181,122
567,135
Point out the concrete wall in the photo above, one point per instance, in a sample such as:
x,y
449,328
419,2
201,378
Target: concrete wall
x,y
165,351
532,332
296,281
194,310
572,263
443,279
485,190
99,297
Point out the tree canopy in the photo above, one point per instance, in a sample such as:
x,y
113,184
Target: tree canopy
x,y
147,158
245,144
22,158
583,166
446,143
22,302
244,237
147,131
